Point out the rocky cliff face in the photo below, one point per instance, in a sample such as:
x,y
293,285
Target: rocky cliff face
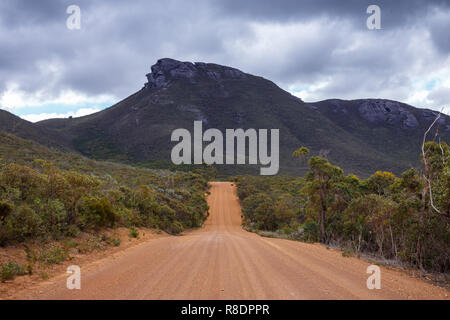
x,y
388,111
166,70
380,113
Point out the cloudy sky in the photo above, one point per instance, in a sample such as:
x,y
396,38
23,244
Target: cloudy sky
x,y
314,49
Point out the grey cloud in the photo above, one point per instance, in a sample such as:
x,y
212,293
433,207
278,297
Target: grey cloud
x,y
439,22
440,96
394,13
120,40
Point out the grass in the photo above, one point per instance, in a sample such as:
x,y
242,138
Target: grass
x,y
47,254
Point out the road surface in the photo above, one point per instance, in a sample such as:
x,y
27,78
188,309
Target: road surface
x,y
222,261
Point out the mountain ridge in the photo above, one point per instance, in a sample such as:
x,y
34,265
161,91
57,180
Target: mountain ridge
x,y
361,136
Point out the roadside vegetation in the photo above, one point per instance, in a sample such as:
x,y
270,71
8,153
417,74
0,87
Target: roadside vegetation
x,y
404,218
56,205
47,196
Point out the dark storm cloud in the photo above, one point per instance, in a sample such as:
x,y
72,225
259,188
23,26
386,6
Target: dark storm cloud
x,y
22,12
320,45
395,13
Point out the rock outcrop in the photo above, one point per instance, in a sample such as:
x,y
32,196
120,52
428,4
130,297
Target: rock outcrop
x,y
165,70
387,111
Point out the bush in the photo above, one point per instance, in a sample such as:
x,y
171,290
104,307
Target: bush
x,y
29,181
310,231
96,213
54,217
129,217
114,241
175,227
23,223
134,233
287,230
5,209
10,270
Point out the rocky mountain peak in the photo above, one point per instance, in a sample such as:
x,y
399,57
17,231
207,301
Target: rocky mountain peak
x,y
166,70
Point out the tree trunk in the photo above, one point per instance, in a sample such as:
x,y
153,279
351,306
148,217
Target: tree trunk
x,y
322,223
394,247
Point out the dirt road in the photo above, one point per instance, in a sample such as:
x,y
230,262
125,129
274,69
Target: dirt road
x,y
221,261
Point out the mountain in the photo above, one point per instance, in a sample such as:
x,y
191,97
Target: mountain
x,y
360,136
28,130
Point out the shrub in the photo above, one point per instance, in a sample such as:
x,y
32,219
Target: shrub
x,y
310,231
114,241
23,223
134,233
72,231
96,213
29,181
10,270
5,209
287,230
175,227
129,217
54,217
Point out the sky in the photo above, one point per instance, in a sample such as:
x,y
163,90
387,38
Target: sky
x,y
315,49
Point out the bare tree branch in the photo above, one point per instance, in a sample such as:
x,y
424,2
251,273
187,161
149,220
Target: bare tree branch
x,y
426,164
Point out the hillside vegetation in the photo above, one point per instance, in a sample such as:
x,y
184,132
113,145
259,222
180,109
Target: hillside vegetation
x,y
396,218
46,194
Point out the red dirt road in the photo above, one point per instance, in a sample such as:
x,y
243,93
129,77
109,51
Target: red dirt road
x,y
222,261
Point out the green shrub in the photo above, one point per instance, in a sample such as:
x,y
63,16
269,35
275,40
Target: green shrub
x,y
72,231
23,223
129,217
114,241
310,231
10,270
5,209
54,217
287,230
29,181
96,213
175,227
134,233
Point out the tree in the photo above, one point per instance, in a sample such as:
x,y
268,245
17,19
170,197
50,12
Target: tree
x,y
302,153
380,182
322,176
